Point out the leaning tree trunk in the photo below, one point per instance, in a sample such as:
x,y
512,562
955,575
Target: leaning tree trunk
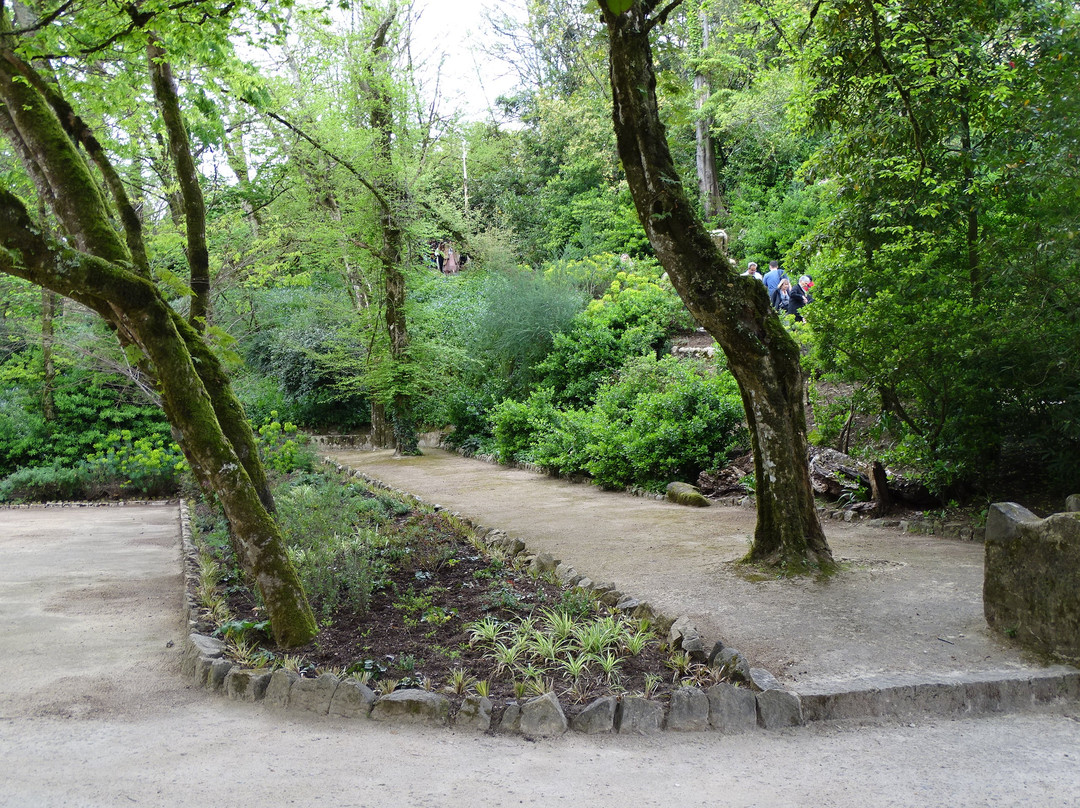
x,y
101,274
187,174
761,355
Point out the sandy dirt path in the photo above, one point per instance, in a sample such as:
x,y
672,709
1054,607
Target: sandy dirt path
x,y
93,713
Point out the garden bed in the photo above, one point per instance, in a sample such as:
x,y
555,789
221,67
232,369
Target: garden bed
x,y
408,596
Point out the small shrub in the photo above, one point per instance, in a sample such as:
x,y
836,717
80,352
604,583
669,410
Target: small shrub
x,y
283,448
44,484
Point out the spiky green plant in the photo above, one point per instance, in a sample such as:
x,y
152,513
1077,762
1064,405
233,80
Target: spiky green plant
x,y
560,624
460,681
487,630
387,686
544,647
680,663
608,662
636,642
506,655
576,665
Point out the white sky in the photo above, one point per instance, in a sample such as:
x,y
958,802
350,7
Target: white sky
x,y
453,30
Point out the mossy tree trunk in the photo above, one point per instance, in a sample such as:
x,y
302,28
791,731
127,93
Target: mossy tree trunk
x,y
761,355
191,196
97,269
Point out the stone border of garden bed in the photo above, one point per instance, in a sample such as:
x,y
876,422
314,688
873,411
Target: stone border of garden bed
x,y
763,703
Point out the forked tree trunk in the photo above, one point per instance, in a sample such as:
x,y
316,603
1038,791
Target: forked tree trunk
x,y
761,355
101,274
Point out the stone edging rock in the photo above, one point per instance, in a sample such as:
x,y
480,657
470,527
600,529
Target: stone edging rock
x,y
78,503
762,703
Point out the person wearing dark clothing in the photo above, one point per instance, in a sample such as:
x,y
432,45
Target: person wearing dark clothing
x,y
800,296
781,296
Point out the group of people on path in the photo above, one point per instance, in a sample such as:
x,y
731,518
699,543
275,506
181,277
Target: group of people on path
x,y
782,295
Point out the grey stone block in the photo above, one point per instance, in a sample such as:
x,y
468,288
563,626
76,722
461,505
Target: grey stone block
x,y
639,716
242,684
543,716
597,718
511,719
628,603
202,670
215,675
412,707
689,710
644,611
1031,582
277,691
567,574
475,714
734,664
544,562
313,695
777,709
763,680
199,645
731,709
352,699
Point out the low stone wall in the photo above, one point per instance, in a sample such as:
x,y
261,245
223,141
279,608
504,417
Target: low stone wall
x,y
1031,584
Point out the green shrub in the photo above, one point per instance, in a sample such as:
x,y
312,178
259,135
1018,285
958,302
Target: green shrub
x,y
657,421
634,317
283,448
661,421
516,424
124,465
44,484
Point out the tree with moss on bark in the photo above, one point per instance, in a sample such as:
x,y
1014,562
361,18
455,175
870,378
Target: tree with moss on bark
x,y
105,268
761,354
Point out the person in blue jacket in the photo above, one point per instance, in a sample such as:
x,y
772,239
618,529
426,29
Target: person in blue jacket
x,y
773,277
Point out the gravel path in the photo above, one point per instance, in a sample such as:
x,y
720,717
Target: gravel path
x,y
94,713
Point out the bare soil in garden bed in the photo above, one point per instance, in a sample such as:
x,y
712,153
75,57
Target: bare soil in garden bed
x,y
434,582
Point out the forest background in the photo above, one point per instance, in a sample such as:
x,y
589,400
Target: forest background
x,y
919,161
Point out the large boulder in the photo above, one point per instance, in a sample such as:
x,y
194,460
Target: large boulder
x,y
1031,581
686,494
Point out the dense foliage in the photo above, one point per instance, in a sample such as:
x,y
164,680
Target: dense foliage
x,y
919,161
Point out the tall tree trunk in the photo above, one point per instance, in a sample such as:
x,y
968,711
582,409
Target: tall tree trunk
x,y
187,175
708,185
49,302
392,254
761,355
